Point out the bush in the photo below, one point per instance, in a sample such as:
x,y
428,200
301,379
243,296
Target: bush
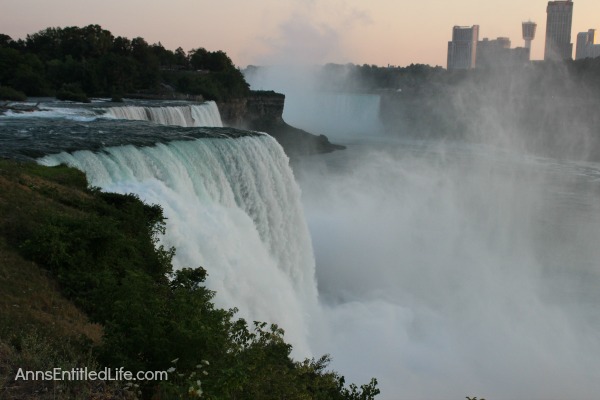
x,y
72,92
103,250
8,93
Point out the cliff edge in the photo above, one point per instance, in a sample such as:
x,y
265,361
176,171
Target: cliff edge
x,y
263,111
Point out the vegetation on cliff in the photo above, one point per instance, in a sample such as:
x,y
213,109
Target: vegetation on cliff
x,y
90,61
84,283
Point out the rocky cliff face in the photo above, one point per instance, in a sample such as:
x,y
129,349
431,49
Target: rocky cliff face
x,y
243,113
263,111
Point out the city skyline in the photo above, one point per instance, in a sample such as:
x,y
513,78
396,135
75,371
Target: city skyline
x,y
295,31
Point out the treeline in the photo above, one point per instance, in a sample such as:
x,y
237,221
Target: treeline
x,y
418,77
102,249
82,62
370,78
544,108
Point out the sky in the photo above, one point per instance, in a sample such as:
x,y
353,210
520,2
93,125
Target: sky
x,y
267,32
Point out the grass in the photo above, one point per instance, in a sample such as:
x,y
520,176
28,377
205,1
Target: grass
x,y
39,328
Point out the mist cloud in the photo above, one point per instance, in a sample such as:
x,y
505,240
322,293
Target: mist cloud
x,y
306,38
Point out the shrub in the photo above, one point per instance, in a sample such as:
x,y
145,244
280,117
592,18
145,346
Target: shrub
x,y
72,92
103,250
8,93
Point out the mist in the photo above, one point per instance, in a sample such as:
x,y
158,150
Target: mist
x,y
311,107
456,238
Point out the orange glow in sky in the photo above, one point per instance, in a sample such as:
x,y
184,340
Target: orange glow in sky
x,y
260,32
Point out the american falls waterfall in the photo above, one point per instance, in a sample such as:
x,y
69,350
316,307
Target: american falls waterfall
x,y
233,207
206,114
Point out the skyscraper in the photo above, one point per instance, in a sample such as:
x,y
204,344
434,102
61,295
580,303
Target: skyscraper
x,y
558,30
462,50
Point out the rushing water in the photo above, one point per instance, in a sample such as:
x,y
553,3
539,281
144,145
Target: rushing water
x,y
232,206
190,115
443,269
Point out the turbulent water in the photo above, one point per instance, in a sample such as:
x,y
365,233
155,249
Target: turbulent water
x,y
449,271
57,127
444,269
190,115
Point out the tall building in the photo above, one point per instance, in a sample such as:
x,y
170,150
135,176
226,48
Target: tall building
x,y
490,53
558,30
497,53
529,29
462,50
586,45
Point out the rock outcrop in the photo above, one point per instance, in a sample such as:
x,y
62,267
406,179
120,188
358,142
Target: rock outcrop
x,y
263,111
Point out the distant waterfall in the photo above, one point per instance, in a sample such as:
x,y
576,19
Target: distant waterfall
x,y
335,114
233,207
206,114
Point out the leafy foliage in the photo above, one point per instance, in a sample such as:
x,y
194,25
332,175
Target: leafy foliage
x,y
104,251
72,92
8,93
99,64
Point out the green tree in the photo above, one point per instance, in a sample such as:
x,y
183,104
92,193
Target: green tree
x,y
45,44
147,63
5,40
181,59
217,61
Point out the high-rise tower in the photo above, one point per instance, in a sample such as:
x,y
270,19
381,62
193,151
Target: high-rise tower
x,y
558,30
462,50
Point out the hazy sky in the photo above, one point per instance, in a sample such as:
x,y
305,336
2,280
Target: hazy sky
x,y
262,32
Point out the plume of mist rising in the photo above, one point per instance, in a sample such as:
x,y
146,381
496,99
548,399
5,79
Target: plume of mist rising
x,y
291,65
314,32
302,42
311,103
457,255
456,271
545,109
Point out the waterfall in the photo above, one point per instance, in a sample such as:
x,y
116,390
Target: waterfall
x,y
206,114
338,115
233,207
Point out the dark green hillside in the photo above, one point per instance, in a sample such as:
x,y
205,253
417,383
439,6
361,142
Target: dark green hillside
x,y
83,282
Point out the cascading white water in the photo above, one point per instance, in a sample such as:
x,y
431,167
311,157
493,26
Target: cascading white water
x,y
233,206
335,114
206,114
